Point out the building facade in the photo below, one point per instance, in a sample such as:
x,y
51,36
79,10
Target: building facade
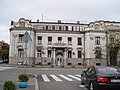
x,y
59,43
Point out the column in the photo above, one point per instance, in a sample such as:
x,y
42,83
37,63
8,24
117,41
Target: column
x,y
54,57
65,54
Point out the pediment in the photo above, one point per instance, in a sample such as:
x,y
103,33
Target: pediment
x,y
22,23
98,25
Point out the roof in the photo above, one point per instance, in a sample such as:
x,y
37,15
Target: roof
x,y
59,23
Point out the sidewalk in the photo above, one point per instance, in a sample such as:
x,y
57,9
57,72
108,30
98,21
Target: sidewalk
x,y
32,85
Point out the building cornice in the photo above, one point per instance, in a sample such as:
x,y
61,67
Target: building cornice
x,y
95,31
22,28
58,31
58,23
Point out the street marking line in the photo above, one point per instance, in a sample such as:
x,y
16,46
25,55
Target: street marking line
x,y
67,78
5,68
36,83
45,78
82,86
56,78
78,76
74,77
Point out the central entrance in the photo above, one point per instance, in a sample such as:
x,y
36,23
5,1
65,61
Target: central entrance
x,y
59,57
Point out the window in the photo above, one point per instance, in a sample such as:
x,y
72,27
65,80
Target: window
x,y
20,52
79,41
96,26
69,54
53,27
22,24
66,28
49,53
69,40
49,40
98,53
46,27
43,28
59,27
72,28
38,53
79,54
20,37
39,39
97,40
59,39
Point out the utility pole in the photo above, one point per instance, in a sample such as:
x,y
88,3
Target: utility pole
x,y
42,16
84,51
107,47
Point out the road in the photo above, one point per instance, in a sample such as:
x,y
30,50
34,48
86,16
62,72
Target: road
x,y
61,79
57,78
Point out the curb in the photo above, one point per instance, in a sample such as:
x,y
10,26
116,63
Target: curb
x,y
36,83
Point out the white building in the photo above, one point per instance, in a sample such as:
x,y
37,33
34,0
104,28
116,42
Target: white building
x,y
59,43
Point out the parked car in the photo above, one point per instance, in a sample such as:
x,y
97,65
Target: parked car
x,y
22,63
1,61
101,78
4,61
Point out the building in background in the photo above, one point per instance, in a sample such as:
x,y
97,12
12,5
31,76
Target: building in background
x,y
61,44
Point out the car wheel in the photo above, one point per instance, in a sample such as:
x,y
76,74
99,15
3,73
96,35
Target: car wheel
x,y
82,83
93,86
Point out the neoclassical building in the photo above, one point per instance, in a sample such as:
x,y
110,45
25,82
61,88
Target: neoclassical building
x,y
61,44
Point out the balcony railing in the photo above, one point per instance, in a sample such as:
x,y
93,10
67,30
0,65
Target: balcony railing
x,y
59,44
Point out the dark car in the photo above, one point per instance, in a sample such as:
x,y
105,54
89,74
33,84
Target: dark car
x,y
101,78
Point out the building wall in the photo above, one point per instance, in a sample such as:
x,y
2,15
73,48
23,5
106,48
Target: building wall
x,y
52,29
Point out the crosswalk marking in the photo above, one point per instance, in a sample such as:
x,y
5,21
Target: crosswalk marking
x,y
45,78
60,77
4,68
78,75
56,78
74,77
67,78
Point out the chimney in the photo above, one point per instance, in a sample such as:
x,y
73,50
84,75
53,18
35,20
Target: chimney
x,y
37,20
59,21
12,22
78,22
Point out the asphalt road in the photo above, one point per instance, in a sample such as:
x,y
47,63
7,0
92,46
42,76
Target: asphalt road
x,y
61,79
51,74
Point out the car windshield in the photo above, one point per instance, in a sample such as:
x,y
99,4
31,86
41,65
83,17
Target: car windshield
x,y
108,70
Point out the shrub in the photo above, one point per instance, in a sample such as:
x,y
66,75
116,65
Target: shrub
x,y
9,85
23,77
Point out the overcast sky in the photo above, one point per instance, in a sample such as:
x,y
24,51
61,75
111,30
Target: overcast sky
x,y
53,10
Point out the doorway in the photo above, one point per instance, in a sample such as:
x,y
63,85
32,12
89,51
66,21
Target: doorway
x,y
59,58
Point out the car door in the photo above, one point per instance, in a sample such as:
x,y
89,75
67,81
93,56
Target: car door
x,y
85,76
88,75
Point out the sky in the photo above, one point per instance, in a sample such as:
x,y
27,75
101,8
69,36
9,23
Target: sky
x,y
84,11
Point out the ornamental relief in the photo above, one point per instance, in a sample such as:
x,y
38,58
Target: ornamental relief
x,y
91,38
22,23
103,38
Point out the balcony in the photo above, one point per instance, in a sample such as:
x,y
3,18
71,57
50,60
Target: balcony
x,y
59,44
39,47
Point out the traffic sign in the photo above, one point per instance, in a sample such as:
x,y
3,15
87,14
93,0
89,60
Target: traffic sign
x,y
26,37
